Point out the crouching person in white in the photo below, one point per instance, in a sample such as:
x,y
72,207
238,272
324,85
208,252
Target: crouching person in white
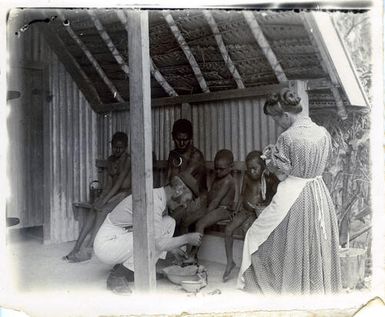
x,y
114,240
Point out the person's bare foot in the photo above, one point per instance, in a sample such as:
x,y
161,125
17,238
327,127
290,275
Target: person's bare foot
x,y
189,261
70,255
80,256
229,268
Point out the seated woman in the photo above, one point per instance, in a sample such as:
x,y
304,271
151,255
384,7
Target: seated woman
x,y
117,188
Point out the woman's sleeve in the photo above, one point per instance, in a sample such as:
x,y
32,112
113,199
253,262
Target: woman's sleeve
x,y
279,157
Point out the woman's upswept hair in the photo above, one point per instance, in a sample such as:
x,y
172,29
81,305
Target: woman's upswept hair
x,y
284,101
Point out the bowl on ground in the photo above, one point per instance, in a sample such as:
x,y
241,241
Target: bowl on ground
x,y
176,274
192,286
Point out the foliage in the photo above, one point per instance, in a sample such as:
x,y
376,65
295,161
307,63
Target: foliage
x,y
347,175
355,32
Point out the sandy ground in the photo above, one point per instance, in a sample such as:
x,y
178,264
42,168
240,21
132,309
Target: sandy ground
x,y
42,284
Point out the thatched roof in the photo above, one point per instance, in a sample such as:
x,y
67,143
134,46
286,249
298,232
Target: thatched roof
x,y
294,49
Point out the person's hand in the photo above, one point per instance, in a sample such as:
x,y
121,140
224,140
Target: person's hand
x,y
266,153
179,255
194,238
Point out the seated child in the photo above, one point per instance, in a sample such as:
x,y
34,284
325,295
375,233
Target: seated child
x,y
251,203
220,198
118,187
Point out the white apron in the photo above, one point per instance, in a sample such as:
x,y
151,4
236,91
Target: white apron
x,y
287,193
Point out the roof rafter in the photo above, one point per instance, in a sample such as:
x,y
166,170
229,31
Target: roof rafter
x,y
71,65
154,70
92,60
335,61
264,45
108,41
186,50
199,98
315,38
222,48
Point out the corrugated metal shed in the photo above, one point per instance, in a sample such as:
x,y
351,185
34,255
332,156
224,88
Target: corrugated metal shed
x,y
68,145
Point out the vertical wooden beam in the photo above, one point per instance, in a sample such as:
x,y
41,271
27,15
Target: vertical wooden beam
x,y
141,150
222,48
186,50
300,87
264,45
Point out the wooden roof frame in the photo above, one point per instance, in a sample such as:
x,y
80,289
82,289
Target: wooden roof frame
x,y
186,50
264,45
92,60
71,65
335,58
154,70
222,48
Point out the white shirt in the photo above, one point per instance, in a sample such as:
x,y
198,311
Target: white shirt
x,y
121,215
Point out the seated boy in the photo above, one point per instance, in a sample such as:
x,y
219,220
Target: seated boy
x,y
220,198
118,187
256,194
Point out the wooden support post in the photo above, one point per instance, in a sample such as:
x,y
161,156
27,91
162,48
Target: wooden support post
x,y
300,88
141,150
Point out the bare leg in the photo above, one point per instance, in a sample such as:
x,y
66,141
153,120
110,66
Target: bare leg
x,y
237,221
191,218
211,218
84,231
100,217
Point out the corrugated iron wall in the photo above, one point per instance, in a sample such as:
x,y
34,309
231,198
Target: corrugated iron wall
x,y
70,135
73,134
162,120
239,125
24,125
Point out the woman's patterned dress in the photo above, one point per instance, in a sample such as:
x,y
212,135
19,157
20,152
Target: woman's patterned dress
x,y
301,255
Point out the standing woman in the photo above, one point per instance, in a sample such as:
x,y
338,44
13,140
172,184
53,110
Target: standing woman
x,y
292,248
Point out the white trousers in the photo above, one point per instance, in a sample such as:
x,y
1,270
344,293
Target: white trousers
x,y
114,244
